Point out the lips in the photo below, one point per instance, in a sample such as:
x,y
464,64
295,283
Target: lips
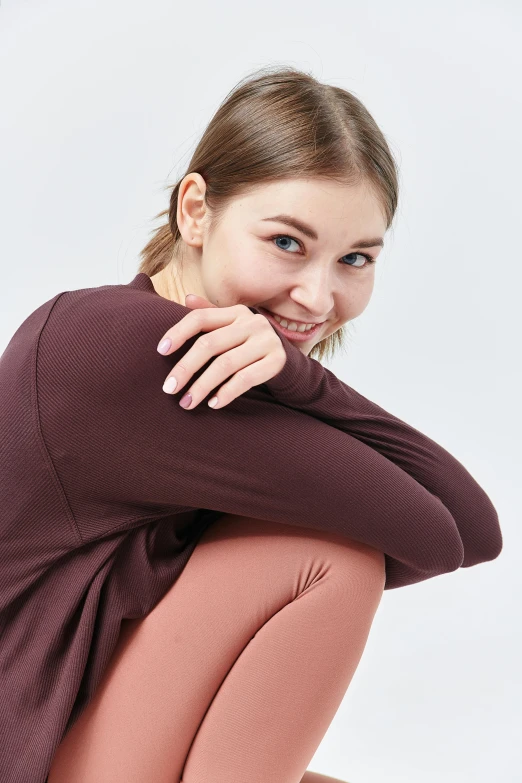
x,y
288,333
295,320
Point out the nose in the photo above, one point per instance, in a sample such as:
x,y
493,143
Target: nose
x,y
313,297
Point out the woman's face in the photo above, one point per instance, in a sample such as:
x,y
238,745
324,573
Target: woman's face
x,y
252,257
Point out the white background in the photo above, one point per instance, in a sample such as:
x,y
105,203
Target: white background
x,y
101,106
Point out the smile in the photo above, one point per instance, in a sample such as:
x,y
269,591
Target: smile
x,y
294,330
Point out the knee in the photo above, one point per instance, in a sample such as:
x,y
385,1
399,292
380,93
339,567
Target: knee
x,y
353,566
358,568
365,561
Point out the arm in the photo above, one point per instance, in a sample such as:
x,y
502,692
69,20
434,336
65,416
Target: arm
x,y
126,453
304,384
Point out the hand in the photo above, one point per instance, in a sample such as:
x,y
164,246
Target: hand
x,y
248,345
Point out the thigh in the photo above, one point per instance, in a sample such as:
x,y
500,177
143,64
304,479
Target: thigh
x,y
316,777
198,664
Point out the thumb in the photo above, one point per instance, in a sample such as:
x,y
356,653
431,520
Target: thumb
x,y
197,302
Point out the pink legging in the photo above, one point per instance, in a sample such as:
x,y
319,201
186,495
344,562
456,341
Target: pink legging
x,y
236,674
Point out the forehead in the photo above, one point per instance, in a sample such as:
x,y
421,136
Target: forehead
x,y
322,203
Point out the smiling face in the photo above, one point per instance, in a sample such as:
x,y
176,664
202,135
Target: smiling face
x,y
254,257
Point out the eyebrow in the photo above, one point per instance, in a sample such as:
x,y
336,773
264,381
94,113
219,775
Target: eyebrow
x,y
309,232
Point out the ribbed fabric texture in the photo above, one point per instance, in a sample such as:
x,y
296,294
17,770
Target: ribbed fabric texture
x,y
106,485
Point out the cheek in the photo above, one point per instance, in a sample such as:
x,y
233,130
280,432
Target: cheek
x,y
350,306
369,289
239,277
359,297
252,279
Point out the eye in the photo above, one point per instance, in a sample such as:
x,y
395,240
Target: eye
x,y
368,258
285,236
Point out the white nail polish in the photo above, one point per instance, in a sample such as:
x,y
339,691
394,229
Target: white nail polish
x,y
170,385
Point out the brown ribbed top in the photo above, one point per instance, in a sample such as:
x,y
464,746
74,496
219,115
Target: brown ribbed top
x,y
106,484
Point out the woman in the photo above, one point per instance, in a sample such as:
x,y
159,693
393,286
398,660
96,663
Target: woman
x,y
128,652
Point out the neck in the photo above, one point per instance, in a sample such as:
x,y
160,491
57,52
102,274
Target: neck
x,y
168,284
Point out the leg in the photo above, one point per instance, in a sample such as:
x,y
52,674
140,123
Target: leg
x,y
315,777
236,674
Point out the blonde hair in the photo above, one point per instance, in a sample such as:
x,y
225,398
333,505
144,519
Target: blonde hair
x,y
274,123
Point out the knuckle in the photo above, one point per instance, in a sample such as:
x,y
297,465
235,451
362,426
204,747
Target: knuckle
x,y
261,321
276,345
280,359
206,341
242,375
191,320
224,361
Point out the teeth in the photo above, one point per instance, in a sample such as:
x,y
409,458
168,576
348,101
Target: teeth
x,y
292,326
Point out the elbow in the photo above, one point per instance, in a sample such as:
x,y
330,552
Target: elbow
x,y
482,535
453,554
486,543
470,509
446,550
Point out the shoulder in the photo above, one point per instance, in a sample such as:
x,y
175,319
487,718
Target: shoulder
x,y
119,306
106,330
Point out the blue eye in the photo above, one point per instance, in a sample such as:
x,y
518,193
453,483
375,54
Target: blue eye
x,y
369,259
285,236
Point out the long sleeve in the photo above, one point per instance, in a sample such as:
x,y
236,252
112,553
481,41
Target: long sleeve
x,y
304,384
125,452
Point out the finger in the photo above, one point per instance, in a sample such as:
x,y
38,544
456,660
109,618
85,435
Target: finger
x,y
260,340
223,344
252,375
208,345
193,300
245,374
199,320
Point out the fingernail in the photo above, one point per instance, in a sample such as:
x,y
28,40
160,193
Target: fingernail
x,y
213,402
186,400
170,385
164,345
